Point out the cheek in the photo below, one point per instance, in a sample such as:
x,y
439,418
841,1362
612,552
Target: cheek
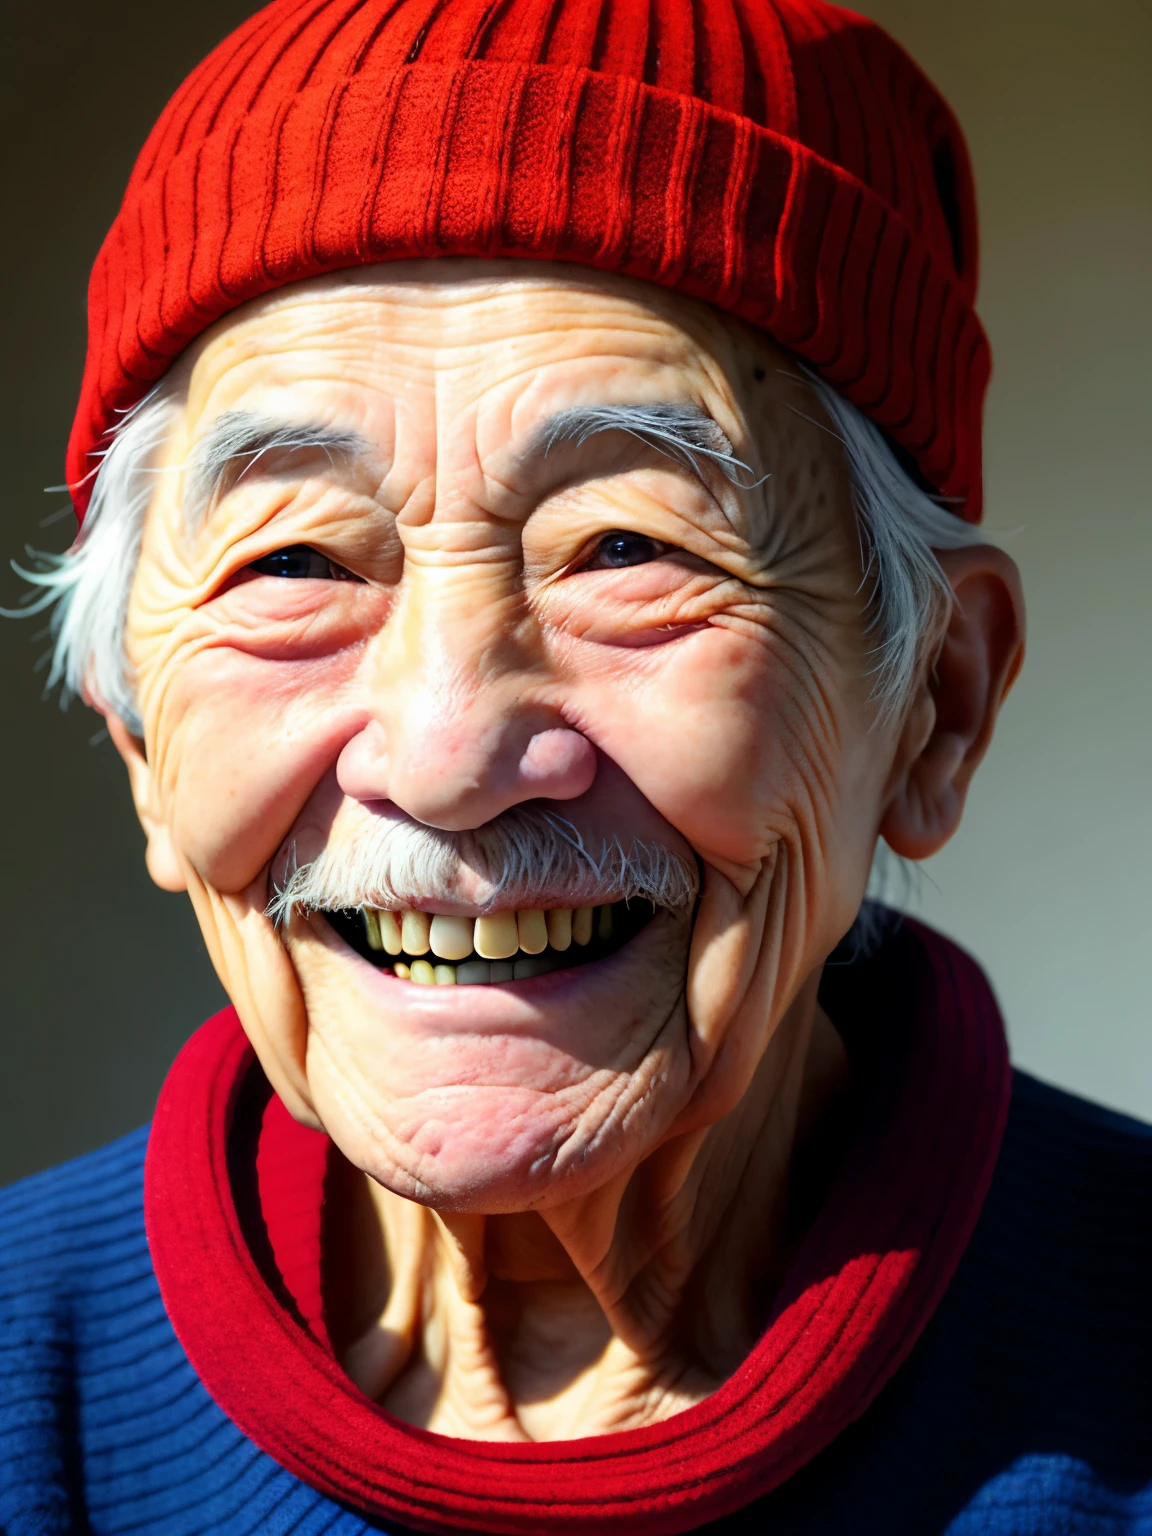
x,y
247,703
244,742
723,739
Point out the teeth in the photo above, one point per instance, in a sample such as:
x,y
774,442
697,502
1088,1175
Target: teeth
x,y
451,937
511,945
414,931
475,973
390,933
559,923
496,936
532,931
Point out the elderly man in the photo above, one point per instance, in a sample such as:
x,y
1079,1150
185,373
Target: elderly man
x,y
529,468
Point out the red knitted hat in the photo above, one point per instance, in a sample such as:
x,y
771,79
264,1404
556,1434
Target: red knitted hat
x,y
781,159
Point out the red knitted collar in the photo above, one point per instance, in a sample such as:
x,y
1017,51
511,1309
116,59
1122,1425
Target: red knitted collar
x,y
864,1283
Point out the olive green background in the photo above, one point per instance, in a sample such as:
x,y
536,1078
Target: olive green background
x,y
102,977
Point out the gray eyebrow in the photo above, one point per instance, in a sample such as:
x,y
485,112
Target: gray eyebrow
x,y
235,443
237,440
680,429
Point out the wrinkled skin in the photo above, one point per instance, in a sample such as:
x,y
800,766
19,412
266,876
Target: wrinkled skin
x,y
599,1157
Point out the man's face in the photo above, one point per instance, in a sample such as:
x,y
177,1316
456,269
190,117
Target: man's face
x,y
652,653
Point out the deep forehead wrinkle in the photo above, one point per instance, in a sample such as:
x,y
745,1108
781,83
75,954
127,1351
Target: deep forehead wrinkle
x,y
236,442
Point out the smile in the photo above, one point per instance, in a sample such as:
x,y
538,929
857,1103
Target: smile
x,y
437,950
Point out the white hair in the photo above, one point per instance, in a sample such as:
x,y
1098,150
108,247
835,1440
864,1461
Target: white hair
x,y
901,525
901,528
526,857
89,585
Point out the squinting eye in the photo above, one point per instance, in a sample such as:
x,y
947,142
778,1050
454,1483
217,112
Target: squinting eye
x,y
619,549
300,563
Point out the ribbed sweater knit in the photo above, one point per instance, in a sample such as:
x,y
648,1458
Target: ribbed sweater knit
x,y
1024,1407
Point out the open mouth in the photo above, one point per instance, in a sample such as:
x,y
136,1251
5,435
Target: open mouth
x,y
500,946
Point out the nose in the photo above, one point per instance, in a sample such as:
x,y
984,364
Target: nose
x,y
463,719
464,770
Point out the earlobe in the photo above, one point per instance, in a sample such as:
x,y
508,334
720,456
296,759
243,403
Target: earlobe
x,y
160,855
951,721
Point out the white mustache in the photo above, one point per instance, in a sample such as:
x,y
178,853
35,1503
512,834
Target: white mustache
x,y
525,858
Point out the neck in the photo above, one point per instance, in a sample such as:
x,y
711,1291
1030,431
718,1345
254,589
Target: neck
x,y
608,1312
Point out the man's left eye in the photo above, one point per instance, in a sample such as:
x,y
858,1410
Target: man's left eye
x,y
301,564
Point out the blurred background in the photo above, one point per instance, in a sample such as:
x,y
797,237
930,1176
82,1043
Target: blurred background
x,y
102,977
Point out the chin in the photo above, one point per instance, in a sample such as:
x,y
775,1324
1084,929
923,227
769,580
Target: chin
x,y
503,1096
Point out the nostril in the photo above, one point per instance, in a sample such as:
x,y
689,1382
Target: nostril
x,y
558,764
455,778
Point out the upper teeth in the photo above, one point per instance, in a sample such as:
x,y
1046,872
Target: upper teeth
x,y
497,936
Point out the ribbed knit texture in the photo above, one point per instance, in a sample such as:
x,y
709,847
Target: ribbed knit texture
x,y
1025,1410
782,159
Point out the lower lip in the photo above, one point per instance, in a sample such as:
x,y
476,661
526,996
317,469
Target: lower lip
x,y
496,1005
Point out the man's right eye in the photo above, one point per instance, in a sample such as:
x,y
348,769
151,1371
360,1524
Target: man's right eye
x,y
620,548
299,563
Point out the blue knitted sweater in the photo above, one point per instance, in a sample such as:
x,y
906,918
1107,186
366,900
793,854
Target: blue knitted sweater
x,y
1024,1408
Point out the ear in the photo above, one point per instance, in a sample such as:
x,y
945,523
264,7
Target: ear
x,y
160,856
952,718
